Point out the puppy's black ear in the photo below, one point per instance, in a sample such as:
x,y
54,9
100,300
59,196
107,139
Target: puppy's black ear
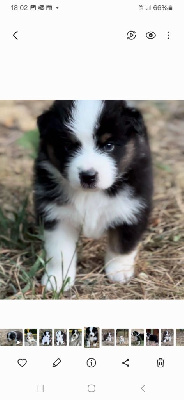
x,y
134,121
45,122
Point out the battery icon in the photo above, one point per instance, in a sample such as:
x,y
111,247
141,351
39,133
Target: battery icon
x,y
170,8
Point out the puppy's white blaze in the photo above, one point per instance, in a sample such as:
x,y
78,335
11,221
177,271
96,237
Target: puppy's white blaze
x,y
85,115
95,211
120,268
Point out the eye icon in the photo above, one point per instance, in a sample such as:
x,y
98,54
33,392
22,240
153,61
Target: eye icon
x,y
150,35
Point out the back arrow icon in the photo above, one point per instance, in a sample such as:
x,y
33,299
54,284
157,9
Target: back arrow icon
x,y
143,388
14,35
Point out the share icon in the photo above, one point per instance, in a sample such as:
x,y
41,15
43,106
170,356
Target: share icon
x,y
126,362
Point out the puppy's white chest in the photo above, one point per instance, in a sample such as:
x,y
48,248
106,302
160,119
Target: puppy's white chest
x,y
90,214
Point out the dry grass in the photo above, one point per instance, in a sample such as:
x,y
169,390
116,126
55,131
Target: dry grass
x,y
179,337
159,268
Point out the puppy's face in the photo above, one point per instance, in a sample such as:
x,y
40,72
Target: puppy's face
x,y
91,332
11,336
135,333
75,333
91,143
29,336
47,334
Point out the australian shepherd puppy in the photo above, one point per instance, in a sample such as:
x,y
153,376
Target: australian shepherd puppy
x,y
93,175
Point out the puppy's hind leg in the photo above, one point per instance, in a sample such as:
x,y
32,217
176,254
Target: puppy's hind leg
x,y
60,246
121,252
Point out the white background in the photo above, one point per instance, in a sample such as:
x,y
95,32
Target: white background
x,y
81,51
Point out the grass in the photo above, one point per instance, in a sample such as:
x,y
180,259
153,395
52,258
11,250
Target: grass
x,y
159,272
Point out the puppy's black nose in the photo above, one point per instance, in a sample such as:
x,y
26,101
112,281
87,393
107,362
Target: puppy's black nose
x,y
88,178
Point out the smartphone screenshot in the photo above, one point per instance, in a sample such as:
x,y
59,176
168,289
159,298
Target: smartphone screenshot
x,y
91,199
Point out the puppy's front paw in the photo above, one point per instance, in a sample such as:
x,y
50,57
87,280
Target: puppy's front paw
x,y
120,268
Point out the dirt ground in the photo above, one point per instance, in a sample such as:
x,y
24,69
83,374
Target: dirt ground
x,y
134,342
125,334
104,342
3,337
159,267
179,337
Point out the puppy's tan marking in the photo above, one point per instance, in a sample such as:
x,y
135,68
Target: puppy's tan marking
x,y
105,137
129,154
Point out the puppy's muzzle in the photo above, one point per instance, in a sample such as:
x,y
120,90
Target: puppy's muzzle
x,y
88,178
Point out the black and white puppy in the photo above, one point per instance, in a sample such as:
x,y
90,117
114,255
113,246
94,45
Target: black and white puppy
x,y
46,338
108,337
91,339
151,338
75,338
15,336
138,336
93,175
60,338
166,337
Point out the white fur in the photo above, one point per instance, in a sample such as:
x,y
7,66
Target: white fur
x,y
46,339
90,158
120,268
84,120
121,340
60,246
59,338
94,211
83,123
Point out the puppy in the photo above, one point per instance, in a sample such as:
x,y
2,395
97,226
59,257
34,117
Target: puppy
x,y
30,338
93,175
60,338
108,337
121,340
15,336
75,338
151,338
166,336
46,338
138,336
91,338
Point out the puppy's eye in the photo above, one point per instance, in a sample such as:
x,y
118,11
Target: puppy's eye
x,y
109,147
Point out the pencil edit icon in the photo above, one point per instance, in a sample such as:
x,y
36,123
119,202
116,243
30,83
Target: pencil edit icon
x,y
56,362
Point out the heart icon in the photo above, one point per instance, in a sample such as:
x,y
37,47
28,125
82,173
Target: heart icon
x,y
22,362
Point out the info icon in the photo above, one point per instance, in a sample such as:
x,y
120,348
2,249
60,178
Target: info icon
x,y
131,35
